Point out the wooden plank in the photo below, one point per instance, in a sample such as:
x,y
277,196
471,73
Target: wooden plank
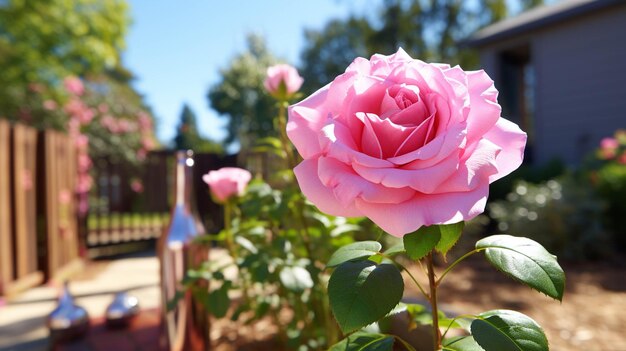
x,y
23,283
6,240
24,185
60,209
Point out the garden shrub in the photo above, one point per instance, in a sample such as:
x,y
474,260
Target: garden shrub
x,y
563,214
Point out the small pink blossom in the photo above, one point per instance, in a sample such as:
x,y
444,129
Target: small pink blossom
x,y
84,183
282,81
103,108
82,142
147,143
65,196
227,182
74,85
608,148
50,105
84,163
36,87
145,122
27,180
142,154
136,185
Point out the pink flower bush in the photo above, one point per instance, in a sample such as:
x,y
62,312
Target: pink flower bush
x,y
227,182
74,85
403,142
282,81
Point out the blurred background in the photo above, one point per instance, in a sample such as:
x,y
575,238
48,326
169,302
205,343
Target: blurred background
x,y
95,95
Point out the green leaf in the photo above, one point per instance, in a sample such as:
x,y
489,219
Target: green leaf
x,y
246,244
361,341
296,278
526,261
450,234
344,228
363,292
461,343
419,243
504,330
354,251
395,249
218,301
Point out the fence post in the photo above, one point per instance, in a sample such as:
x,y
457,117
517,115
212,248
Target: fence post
x,y
61,230
6,242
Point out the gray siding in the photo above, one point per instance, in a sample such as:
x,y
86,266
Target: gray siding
x,y
580,69
581,85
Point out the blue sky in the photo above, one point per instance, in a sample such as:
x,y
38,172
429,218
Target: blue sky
x,y
176,48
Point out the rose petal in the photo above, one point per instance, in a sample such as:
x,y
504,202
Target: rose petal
x,y
337,141
475,168
484,109
403,218
425,180
321,196
388,135
435,150
512,140
306,119
348,186
417,138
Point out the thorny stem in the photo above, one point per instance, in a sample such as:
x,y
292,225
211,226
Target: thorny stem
x,y
282,129
419,286
228,207
451,266
306,238
433,302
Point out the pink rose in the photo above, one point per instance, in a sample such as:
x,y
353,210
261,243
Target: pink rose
x,y
227,182
608,147
403,142
136,185
282,81
74,85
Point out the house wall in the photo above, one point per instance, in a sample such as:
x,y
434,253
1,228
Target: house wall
x,y
580,72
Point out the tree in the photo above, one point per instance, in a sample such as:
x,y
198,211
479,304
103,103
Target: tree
x,y
427,29
43,41
188,137
241,97
328,52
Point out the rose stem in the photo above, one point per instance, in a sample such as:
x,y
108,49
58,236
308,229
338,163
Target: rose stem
x,y
433,302
291,162
228,207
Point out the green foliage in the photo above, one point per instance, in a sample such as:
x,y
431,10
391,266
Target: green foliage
x,y
42,42
429,30
355,293
362,341
354,251
504,330
450,234
564,215
461,343
188,137
526,261
241,97
421,242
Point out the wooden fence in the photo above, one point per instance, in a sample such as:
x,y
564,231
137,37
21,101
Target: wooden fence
x,y
124,221
38,232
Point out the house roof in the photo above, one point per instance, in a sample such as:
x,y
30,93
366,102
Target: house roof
x,y
536,18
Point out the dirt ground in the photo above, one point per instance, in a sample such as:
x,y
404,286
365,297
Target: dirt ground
x,y
592,316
